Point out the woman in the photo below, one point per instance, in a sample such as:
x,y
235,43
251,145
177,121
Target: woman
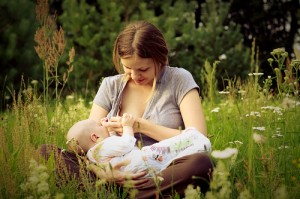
x,y
163,100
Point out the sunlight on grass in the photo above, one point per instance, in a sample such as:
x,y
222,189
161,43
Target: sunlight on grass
x,y
253,126
263,128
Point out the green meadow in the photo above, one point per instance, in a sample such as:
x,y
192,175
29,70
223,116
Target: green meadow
x,y
254,130
253,125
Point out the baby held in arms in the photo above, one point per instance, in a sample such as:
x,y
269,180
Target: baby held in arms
x,y
95,141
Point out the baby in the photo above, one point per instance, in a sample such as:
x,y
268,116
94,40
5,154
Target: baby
x,y
95,140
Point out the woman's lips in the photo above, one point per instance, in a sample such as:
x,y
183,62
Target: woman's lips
x,y
139,81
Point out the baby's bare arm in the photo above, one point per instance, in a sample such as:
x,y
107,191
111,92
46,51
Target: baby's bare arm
x,y
127,120
127,123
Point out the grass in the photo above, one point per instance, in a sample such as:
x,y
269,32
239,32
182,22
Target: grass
x,y
264,167
254,128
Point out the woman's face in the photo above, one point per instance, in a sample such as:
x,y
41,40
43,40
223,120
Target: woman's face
x,y
140,70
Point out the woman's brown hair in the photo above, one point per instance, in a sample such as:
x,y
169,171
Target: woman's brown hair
x,y
144,40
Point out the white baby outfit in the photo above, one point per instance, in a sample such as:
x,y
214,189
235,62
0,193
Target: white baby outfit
x,y
155,157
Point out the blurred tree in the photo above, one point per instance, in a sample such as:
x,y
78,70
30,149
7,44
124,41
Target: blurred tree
x,y
91,27
212,38
196,30
220,39
273,23
17,55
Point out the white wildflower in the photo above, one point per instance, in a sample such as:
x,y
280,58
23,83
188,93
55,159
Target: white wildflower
x,y
277,135
238,142
191,193
275,109
270,108
241,91
70,97
283,147
37,182
223,92
260,128
43,187
245,194
222,57
254,113
289,103
255,74
33,180
259,139
81,100
220,186
215,110
34,82
227,153
43,176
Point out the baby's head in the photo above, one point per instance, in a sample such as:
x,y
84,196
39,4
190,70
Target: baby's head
x,y
85,134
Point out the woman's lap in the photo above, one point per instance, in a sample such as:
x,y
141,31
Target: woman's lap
x,y
195,169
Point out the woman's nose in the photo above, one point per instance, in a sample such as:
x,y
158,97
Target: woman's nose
x,y
134,74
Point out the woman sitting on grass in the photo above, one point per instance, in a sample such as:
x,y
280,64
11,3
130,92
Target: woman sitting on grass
x,y
163,99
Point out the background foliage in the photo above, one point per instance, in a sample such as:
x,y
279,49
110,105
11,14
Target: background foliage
x,y
255,121
17,55
196,31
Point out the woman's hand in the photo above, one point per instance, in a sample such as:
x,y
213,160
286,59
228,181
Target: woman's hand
x,y
121,178
114,124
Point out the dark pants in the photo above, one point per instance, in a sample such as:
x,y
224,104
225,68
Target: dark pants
x,y
193,169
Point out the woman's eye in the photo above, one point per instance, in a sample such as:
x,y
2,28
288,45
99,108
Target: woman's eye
x,y
143,70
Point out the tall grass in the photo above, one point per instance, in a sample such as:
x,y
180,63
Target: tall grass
x,y
259,126
262,125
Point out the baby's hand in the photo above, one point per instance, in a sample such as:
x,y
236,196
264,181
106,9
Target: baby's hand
x,y
110,130
103,120
127,120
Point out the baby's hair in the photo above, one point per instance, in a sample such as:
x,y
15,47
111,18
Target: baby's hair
x,y
80,133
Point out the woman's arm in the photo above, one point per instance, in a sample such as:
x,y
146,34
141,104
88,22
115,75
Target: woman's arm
x,y
97,113
192,114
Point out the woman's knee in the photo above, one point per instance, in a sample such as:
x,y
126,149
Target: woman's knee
x,y
199,165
